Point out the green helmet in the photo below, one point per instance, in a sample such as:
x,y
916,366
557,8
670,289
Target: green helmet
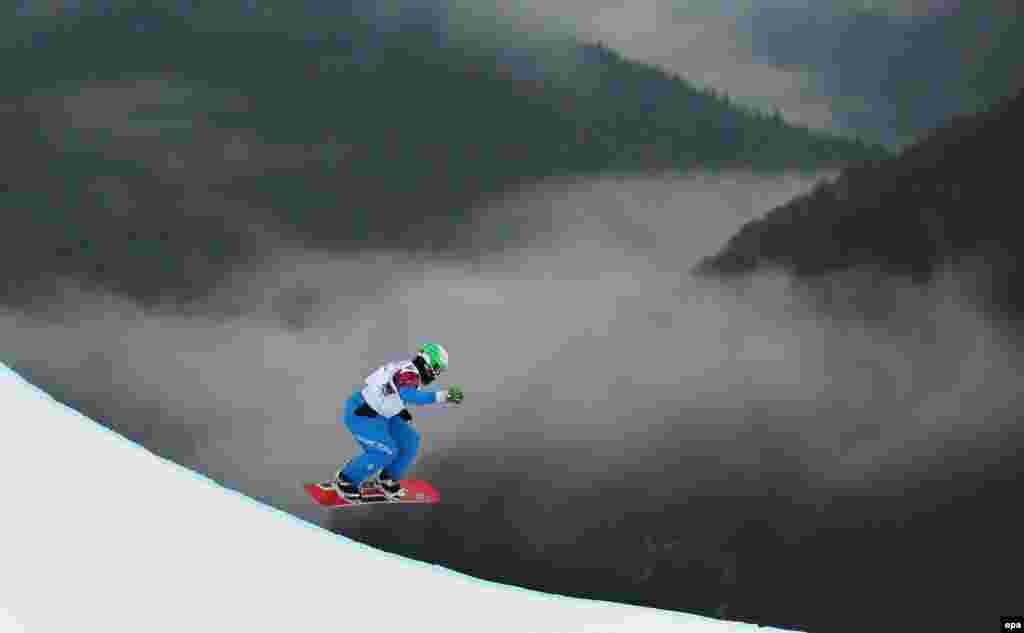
x,y
435,357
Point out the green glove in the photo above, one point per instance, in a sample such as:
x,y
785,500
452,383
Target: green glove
x,y
455,395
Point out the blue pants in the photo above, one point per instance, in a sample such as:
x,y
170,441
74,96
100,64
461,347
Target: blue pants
x,y
388,443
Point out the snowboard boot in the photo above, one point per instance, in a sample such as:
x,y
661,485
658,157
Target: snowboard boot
x,y
391,487
346,488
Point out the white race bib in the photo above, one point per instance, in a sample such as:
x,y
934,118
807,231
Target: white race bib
x,y
380,391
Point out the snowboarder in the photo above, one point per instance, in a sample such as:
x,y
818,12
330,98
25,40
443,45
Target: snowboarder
x,y
378,418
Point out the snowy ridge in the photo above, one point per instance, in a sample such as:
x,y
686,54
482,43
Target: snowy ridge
x,y
102,556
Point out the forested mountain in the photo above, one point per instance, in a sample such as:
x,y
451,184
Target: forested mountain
x,y
948,202
892,77
147,148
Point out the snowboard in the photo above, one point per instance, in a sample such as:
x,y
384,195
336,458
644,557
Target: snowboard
x,y
413,491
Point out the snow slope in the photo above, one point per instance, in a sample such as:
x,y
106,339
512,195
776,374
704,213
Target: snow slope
x,y
128,541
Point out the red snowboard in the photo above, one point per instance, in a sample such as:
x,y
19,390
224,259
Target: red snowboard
x,y
414,491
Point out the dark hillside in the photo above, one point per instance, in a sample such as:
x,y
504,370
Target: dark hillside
x,y
948,202
142,146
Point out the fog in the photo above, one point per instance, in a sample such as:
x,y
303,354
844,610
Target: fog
x,y
588,330
592,362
